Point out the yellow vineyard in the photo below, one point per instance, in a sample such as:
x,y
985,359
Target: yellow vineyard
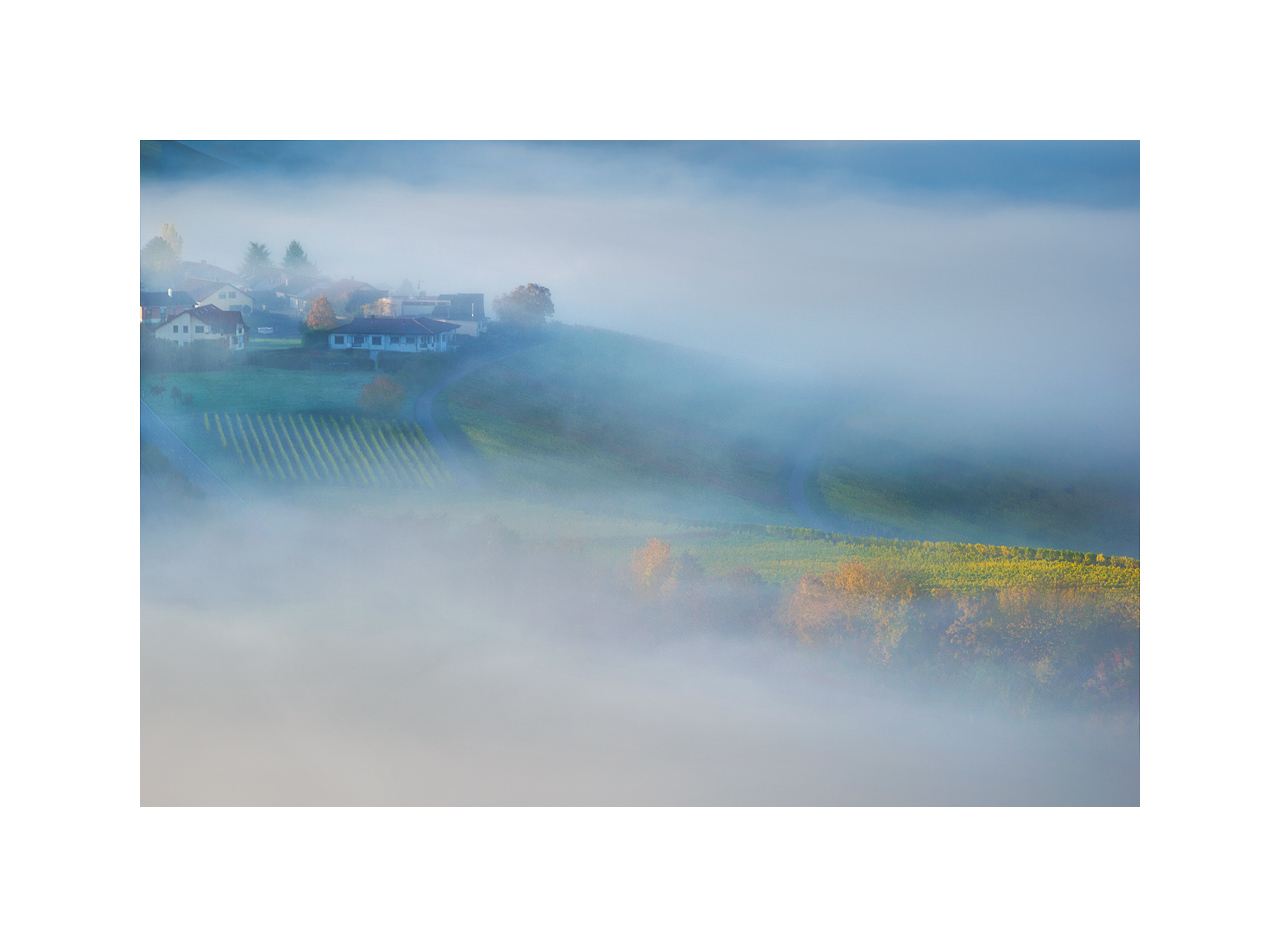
x,y
318,448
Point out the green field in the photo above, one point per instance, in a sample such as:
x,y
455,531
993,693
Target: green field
x,y
608,428
253,388
592,411
613,449
872,483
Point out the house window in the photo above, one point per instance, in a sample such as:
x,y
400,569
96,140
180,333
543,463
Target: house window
x,y
375,340
394,340
231,295
199,328
175,330
358,340
339,339
184,328
222,295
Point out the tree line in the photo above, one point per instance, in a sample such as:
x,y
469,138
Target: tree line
x,y
1078,643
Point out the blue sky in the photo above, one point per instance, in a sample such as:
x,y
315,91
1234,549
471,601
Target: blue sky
x,y
1095,173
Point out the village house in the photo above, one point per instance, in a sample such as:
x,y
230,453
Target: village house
x,y
204,323
393,335
296,292
466,309
155,308
224,296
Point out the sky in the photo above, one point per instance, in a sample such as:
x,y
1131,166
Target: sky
x,y
991,279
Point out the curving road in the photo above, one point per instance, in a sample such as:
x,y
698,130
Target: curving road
x,y
803,465
423,413
424,407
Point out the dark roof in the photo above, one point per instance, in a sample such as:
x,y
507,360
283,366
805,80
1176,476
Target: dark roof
x,y
200,288
300,285
419,326
225,322
465,303
338,287
154,300
205,271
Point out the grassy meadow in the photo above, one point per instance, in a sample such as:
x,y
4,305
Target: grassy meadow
x,y
590,410
665,467
871,483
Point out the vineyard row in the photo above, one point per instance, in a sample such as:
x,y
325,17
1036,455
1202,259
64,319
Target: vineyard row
x,y
313,448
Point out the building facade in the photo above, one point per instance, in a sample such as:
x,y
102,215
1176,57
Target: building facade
x,y
203,324
393,335
155,308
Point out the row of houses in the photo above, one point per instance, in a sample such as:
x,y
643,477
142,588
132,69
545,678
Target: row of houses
x,y
465,309
211,324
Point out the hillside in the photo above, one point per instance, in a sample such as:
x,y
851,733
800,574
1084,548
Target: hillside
x,y
594,414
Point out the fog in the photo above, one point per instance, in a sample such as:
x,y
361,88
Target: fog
x,y
289,658
1017,310
891,303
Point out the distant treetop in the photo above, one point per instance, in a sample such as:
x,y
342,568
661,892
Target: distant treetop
x,y
528,305
257,261
296,262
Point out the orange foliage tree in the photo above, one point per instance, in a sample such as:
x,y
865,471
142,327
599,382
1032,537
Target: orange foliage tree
x,y
862,600
382,396
651,565
321,316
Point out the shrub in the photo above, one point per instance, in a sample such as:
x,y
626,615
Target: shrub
x,y
382,396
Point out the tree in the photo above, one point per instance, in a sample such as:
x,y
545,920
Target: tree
x,y
296,262
382,308
405,289
382,396
257,260
321,316
158,259
169,234
528,305
651,564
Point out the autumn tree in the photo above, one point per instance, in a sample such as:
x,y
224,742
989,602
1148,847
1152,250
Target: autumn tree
x,y
382,308
528,305
856,600
651,565
169,234
321,317
382,396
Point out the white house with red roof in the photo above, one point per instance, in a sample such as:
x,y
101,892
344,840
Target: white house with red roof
x,y
204,323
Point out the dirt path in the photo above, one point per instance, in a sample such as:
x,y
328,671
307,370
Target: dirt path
x,y
805,463
423,413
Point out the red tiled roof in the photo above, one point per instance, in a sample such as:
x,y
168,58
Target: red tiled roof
x,y
221,320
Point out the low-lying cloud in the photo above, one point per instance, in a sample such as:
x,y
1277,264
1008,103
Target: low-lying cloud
x,y
293,659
